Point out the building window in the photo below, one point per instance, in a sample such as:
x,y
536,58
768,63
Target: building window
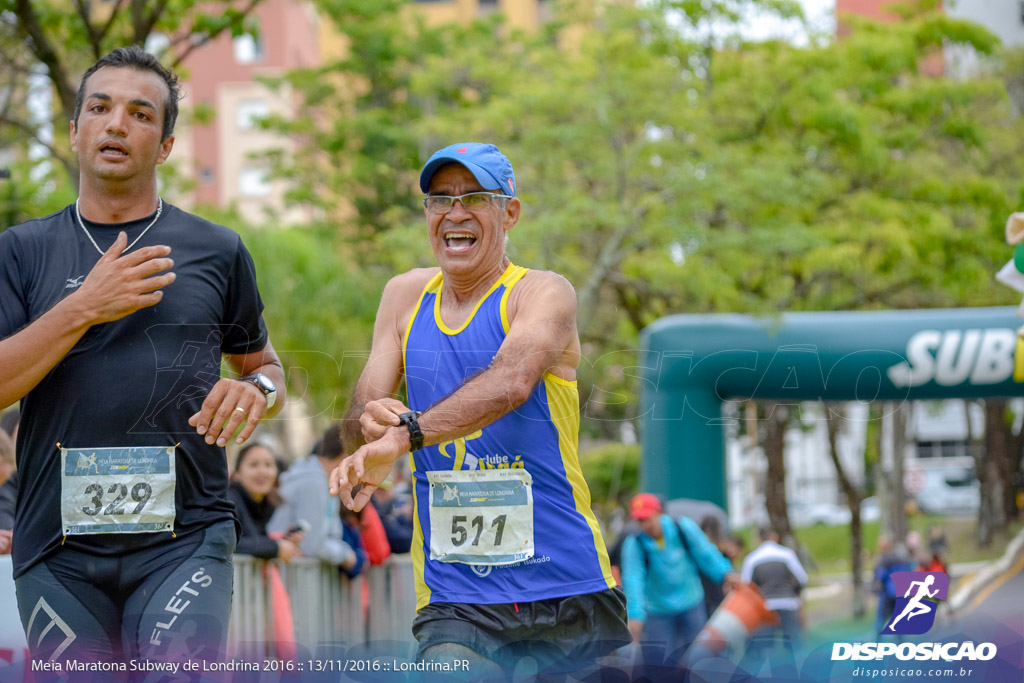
x,y
248,49
249,112
925,449
941,449
253,182
953,449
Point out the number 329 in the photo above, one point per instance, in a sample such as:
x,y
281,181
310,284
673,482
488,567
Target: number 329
x,y
140,494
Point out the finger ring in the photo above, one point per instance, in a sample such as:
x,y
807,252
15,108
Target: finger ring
x,y
242,410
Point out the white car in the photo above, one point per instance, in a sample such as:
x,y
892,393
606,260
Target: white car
x,y
950,490
869,510
808,514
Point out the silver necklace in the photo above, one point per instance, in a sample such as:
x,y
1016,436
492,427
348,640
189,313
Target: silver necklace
x,y
159,210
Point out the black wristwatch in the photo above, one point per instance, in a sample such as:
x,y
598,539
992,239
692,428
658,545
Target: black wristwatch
x,y
264,384
413,425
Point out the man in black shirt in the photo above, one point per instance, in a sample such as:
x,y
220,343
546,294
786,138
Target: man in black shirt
x,y
123,532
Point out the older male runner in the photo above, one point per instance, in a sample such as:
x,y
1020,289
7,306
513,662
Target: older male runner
x,y
508,555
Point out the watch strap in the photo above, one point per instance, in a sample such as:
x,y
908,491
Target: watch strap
x,y
254,379
411,422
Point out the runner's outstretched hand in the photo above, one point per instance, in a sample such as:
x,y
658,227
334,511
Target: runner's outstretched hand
x,y
368,467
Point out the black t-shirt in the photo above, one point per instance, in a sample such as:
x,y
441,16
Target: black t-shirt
x,y
130,382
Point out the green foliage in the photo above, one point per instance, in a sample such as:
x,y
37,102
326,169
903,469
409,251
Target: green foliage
x,y
666,167
60,40
612,472
24,197
319,310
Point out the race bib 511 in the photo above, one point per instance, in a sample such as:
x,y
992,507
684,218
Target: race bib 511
x,y
481,516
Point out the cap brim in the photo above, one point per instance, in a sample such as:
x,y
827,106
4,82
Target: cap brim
x,y
486,180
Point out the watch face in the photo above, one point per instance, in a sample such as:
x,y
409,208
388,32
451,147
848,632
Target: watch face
x,y
263,382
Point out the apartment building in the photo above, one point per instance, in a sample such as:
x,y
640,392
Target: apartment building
x,y
221,155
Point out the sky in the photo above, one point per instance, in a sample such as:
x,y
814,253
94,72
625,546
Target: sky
x,y
820,16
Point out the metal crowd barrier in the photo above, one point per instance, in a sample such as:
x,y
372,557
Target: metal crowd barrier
x,y
327,607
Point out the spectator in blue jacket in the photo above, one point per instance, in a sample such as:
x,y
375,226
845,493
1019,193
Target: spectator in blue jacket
x,y
890,560
307,502
661,568
354,538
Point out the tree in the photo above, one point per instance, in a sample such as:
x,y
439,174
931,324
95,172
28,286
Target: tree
x,y
59,40
319,310
667,169
776,421
835,414
994,464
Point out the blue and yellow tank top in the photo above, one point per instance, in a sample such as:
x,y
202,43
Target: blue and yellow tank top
x,y
540,436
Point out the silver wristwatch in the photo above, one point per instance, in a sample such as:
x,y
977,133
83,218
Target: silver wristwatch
x,y
264,384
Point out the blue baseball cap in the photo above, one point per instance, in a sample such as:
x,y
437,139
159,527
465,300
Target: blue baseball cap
x,y
489,166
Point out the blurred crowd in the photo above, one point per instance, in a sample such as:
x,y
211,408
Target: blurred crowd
x,y
912,554
679,576
286,511
679,566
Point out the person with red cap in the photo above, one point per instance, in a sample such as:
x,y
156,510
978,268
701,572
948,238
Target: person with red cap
x,y
661,568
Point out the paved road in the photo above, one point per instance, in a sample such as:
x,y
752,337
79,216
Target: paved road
x,y
1004,594
995,614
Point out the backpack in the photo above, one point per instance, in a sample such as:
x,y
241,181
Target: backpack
x,y
712,589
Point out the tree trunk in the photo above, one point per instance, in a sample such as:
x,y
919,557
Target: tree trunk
x,y
1015,464
884,482
835,413
990,471
900,417
776,420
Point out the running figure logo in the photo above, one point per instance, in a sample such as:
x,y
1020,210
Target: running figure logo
x,y
451,493
914,613
87,463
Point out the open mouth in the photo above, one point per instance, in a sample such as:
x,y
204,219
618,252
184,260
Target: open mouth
x,y
459,241
113,150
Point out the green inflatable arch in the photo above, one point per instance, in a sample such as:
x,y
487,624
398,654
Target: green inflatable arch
x,y
692,364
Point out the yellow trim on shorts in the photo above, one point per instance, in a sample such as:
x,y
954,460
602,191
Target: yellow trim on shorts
x,y
564,407
437,305
510,279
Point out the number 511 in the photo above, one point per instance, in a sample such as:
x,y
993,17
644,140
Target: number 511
x,y
460,534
